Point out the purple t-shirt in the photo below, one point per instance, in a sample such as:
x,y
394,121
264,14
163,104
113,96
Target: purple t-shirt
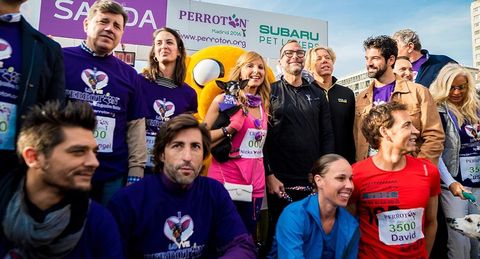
x,y
164,103
10,73
157,219
417,64
382,94
113,90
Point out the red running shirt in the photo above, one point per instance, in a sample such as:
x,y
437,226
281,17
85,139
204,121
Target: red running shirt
x,y
395,201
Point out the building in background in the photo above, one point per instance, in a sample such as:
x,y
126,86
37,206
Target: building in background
x,y
475,19
475,24
356,81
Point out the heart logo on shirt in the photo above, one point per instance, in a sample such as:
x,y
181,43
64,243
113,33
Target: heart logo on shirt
x,y
5,49
164,108
473,131
178,229
95,80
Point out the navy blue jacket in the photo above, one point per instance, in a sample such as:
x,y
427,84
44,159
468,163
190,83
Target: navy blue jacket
x,y
429,70
43,78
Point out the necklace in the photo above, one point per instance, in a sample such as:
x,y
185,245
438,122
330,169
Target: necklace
x,y
258,125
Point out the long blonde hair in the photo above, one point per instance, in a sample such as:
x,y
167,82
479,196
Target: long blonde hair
x,y
264,89
440,90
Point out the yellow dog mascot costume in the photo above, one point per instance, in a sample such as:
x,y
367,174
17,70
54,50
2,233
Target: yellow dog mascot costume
x,y
210,64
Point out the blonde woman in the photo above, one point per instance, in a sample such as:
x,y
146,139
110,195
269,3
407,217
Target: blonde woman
x,y
248,133
455,95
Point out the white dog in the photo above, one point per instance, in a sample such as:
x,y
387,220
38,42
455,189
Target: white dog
x,y
468,225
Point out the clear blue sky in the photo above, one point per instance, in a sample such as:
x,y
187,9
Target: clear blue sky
x,y
443,25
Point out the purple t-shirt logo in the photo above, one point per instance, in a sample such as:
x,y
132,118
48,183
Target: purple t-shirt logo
x,y
95,80
417,64
382,94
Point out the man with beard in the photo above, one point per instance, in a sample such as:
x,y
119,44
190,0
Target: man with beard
x,y
320,61
299,132
31,72
45,212
113,90
395,194
175,213
380,56
425,66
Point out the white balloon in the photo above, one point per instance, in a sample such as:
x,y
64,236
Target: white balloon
x,y
206,71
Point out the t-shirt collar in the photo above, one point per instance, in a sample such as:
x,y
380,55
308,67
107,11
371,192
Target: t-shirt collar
x,y
89,50
173,187
11,17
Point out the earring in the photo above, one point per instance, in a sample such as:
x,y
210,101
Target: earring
x,y
155,59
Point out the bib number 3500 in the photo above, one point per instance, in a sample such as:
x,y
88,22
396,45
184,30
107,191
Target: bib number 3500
x,y
400,227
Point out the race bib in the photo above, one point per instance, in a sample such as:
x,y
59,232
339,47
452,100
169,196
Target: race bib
x,y
400,227
150,144
8,118
470,168
252,143
104,134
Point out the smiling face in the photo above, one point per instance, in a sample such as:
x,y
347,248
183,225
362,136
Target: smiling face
x,y
104,32
458,90
166,48
72,163
292,65
323,63
254,71
183,157
403,68
376,63
336,185
402,135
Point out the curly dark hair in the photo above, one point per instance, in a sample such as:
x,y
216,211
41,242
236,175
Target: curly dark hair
x,y
380,115
386,45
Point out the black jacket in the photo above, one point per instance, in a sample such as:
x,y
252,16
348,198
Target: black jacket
x,y
341,100
429,70
299,132
43,78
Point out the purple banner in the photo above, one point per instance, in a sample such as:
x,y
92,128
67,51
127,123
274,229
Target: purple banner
x,y
64,18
